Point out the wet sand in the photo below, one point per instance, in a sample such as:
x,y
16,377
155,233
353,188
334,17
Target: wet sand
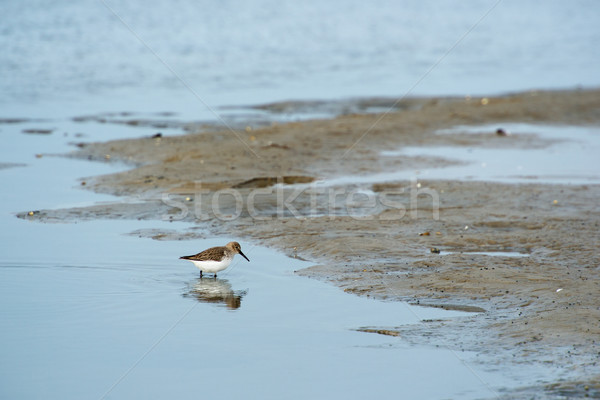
x,y
536,287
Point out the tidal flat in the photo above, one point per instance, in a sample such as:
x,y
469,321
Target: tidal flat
x,y
380,222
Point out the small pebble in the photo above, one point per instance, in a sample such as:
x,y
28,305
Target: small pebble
x,y
435,250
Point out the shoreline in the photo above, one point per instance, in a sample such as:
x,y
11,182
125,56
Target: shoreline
x,y
537,281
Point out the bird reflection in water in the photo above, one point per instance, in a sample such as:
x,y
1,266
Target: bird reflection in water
x,y
216,291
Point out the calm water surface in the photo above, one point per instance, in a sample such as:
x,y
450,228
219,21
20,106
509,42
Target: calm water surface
x,y
103,309
65,57
90,312
573,159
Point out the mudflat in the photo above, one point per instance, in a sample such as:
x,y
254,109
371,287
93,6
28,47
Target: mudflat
x,y
522,256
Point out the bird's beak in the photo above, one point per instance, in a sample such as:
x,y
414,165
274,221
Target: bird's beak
x,y
243,255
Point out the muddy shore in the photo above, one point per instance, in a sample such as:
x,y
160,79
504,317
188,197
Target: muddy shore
x,y
524,257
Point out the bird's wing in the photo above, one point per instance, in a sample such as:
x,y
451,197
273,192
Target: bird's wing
x,y
214,253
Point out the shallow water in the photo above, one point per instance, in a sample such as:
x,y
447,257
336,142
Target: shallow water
x,y
89,311
192,57
488,253
573,160
103,309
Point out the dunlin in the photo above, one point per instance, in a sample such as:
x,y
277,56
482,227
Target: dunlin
x,y
215,259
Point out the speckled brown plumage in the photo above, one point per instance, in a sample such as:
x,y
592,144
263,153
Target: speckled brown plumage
x,y
216,258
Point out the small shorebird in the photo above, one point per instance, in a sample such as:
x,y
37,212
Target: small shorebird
x,y
215,259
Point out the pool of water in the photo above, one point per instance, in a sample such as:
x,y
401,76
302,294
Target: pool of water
x,y
488,253
573,160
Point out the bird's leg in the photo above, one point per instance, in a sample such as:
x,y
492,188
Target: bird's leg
x,y
215,275
200,274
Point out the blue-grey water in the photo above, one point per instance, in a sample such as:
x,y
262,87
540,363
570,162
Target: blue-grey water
x,y
88,311
65,57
